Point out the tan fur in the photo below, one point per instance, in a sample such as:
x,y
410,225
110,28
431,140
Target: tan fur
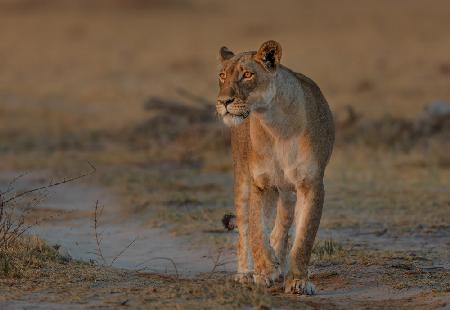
x,y
282,138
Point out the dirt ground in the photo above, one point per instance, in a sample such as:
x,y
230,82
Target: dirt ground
x,y
130,85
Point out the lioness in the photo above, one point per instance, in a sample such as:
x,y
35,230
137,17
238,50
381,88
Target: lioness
x,y
282,138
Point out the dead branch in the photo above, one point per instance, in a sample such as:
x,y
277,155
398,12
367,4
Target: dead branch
x,y
123,251
217,262
98,238
12,225
160,258
12,182
99,252
51,184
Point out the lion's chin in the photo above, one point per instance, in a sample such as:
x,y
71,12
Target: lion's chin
x,y
234,120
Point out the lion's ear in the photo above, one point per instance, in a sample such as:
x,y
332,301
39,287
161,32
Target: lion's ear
x,y
225,53
269,54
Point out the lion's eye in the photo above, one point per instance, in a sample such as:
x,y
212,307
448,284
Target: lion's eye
x,y
247,74
222,76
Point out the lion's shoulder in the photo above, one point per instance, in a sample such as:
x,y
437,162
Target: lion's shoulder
x,y
304,79
308,84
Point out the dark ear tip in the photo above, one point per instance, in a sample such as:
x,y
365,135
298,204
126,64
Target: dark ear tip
x,y
272,44
270,52
225,53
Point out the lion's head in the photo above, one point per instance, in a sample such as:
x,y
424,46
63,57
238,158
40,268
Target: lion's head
x,y
245,81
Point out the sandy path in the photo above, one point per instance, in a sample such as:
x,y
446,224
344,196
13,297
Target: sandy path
x,y
69,211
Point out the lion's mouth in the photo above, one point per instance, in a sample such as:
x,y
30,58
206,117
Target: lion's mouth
x,y
232,119
243,115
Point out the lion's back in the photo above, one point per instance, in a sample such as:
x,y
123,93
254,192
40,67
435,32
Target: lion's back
x,y
321,119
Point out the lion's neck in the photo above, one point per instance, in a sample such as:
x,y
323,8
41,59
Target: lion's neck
x,y
284,115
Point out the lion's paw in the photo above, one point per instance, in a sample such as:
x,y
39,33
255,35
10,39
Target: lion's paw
x,y
300,287
267,280
263,280
244,278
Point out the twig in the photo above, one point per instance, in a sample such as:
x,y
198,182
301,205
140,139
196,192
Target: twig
x,y
12,182
123,251
218,263
51,184
97,236
2,207
160,258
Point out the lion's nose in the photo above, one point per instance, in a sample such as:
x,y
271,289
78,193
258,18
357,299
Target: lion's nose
x,y
226,100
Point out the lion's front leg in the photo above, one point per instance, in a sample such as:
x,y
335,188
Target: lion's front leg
x,y
241,202
280,232
308,211
266,268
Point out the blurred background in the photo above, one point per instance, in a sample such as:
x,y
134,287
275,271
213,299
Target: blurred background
x,y
130,86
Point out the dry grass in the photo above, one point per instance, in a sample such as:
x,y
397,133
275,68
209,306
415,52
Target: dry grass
x,y
25,257
42,276
29,266
326,249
